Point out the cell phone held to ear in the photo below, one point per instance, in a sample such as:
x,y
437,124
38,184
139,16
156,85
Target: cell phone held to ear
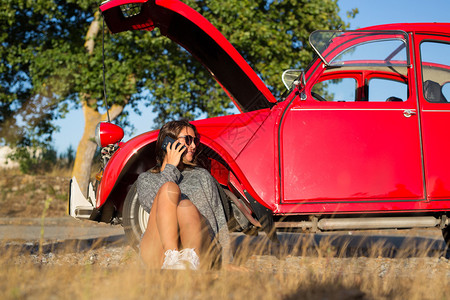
x,y
170,140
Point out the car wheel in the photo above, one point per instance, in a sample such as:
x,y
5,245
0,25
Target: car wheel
x,y
446,234
134,218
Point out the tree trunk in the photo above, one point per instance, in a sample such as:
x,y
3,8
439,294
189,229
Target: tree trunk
x,y
87,146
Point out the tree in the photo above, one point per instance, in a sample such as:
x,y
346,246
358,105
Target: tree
x,y
51,58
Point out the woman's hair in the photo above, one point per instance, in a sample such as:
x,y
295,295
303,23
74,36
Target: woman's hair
x,y
171,129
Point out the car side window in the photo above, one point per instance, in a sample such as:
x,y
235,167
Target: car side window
x,y
338,90
435,61
387,90
390,52
365,70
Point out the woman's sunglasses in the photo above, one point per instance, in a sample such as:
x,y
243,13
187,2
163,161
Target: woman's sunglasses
x,y
189,139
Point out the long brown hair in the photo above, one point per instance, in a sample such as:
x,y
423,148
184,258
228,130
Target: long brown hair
x,y
171,129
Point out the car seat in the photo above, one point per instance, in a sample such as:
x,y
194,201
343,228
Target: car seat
x,y
433,92
394,99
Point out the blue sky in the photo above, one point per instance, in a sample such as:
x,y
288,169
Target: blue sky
x,y
371,12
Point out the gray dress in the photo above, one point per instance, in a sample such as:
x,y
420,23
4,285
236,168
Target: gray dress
x,y
197,185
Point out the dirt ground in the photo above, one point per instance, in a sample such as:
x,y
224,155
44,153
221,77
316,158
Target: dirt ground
x,y
24,196
324,257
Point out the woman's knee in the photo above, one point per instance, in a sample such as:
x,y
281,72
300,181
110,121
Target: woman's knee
x,y
187,203
187,213
170,190
170,187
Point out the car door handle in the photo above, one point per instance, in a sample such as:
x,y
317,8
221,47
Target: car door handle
x,y
409,112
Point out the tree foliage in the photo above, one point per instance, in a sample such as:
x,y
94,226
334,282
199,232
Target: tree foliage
x,y
271,35
45,68
35,161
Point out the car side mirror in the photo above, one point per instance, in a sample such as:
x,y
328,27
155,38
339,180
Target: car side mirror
x,y
292,77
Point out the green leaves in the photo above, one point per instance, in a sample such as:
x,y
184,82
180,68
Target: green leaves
x,y
43,56
271,35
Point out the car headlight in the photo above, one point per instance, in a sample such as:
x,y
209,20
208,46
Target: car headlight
x,y
108,133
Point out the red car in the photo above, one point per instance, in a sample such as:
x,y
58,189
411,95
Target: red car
x,y
357,142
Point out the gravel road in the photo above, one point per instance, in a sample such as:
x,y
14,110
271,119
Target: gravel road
x,y
61,228
66,240
344,265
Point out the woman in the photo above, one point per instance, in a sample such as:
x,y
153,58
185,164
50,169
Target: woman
x,y
184,204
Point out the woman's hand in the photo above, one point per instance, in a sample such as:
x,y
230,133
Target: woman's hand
x,y
174,153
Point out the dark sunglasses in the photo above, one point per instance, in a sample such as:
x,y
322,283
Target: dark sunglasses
x,y
189,139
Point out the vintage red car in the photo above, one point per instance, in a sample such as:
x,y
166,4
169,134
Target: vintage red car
x,y
357,142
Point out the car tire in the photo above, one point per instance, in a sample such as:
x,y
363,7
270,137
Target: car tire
x,y
134,218
446,235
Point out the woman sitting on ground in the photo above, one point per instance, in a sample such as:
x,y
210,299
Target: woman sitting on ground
x,y
183,202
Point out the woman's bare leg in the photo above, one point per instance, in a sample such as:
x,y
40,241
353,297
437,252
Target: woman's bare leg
x,y
162,227
190,223
166,215
151,249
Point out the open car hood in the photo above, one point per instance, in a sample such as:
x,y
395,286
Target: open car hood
x,y
191,30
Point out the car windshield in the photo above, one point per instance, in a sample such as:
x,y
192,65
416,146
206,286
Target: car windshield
x,y
338,48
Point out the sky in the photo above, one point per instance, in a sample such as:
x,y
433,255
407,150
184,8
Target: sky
x,y
371,12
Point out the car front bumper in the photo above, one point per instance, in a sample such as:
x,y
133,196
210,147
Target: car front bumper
x,y
79,206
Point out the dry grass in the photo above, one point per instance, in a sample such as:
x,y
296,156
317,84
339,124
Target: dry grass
x,y
305,271
56,170
61,171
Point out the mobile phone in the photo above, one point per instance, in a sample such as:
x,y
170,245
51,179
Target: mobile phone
x,y
168,140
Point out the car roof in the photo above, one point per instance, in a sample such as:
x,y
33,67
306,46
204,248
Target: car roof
x,y
414,27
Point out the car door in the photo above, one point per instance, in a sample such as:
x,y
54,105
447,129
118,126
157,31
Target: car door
x,y
434,95
359,150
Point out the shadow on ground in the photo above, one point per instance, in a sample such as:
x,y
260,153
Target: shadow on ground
x,y
291,244
339,245
66,246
